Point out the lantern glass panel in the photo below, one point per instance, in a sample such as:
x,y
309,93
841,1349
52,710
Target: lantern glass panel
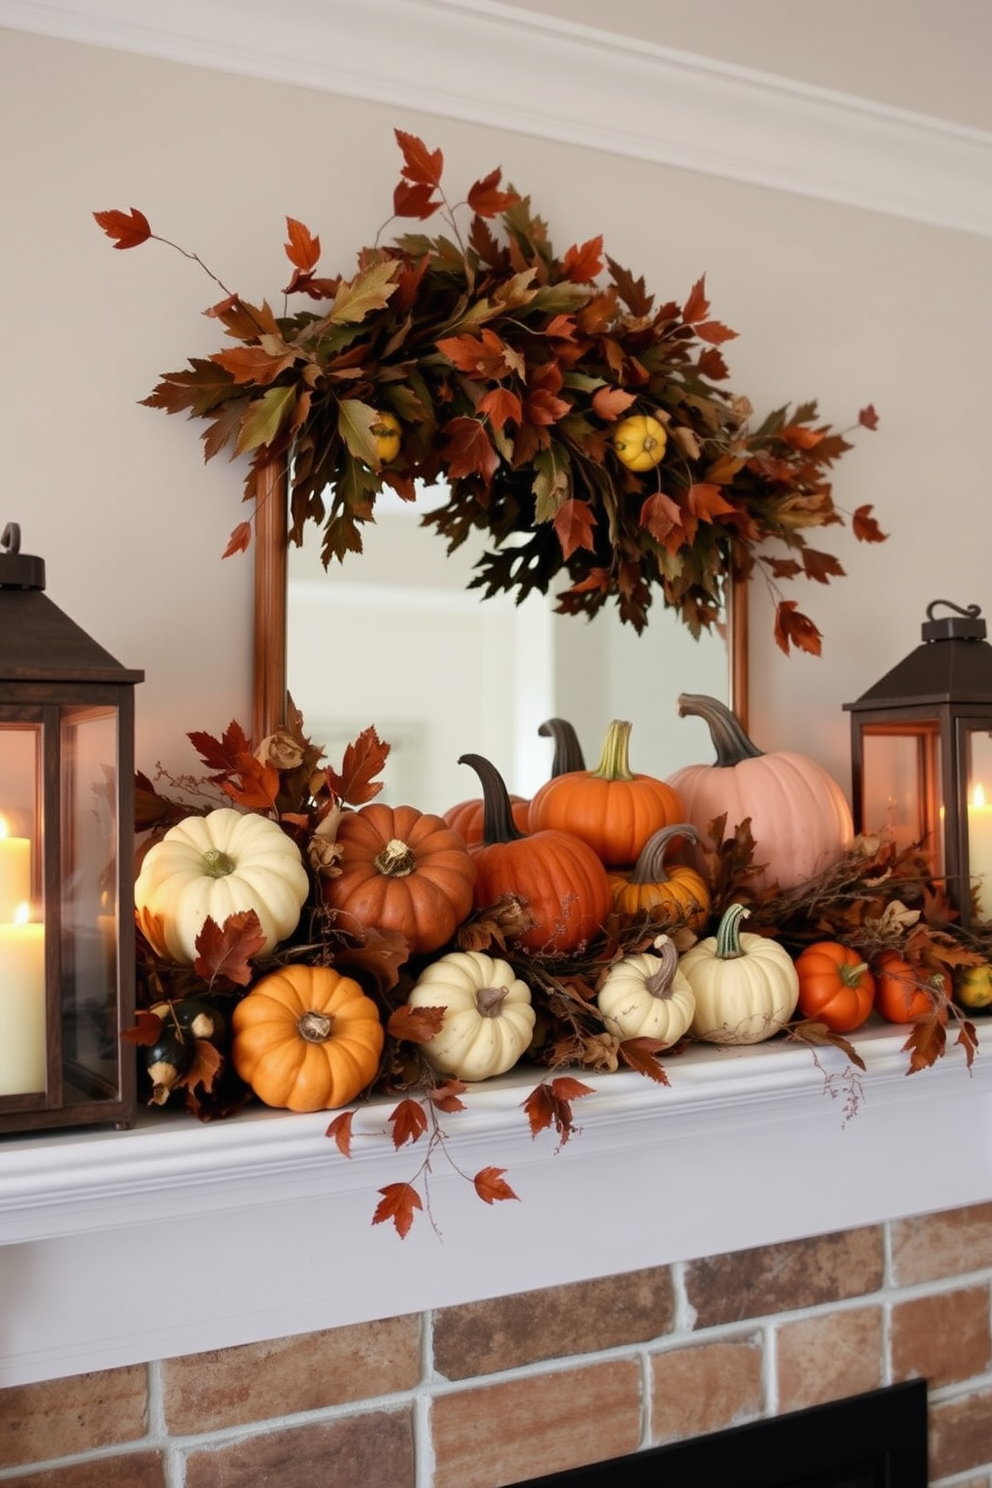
x,y
23,1042
978,757
901,785
89,900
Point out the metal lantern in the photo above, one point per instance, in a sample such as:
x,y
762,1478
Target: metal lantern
x,y
921,755
66,863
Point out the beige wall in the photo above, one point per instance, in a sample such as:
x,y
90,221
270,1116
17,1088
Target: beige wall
x,y
830,302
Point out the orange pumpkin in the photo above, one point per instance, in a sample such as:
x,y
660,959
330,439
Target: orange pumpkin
x,y
835,986
800,819
402,870
306,1039
611,808
670,895
554,874
900,996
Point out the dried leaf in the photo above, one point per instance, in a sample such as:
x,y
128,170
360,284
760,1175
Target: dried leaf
x,y
400,1203
864,526
363,760
792,626
224,952
303,248
415,1025
640,1054
409,1121
491,1186
128,229
575,524
340,1132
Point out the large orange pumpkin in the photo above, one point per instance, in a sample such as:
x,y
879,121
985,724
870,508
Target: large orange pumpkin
x,y
611,808
555,874
800,819
306,1038
402,870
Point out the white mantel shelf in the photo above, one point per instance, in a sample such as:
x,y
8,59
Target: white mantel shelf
x,y
745,1147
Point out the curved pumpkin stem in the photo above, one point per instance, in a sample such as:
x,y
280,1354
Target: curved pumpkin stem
x,y
650,865
659,983
497,813
729,739
613,763
568,756
728,940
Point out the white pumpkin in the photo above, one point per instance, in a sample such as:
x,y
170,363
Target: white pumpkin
x,y
218,865
488,1017
646,996
746,986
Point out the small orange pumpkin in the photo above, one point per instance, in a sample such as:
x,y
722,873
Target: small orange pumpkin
x,y
676,894
835,986
467,816
402,870
900,996
611,807
306,1038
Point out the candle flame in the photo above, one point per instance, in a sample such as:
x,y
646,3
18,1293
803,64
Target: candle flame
x,y
22,914
978,796
4,829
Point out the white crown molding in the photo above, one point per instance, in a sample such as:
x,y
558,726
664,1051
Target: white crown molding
x,y
496,64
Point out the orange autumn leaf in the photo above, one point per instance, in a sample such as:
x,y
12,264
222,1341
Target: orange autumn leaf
x,y
550,1104
641,1055
610,403
226,950
706,501
584,264
445,1096
363,760
713,332
147,1030
574,523
865,527
340,1132
868,418
491,1186
400,1203
415,1025
500,407
486,198
792,627
303,248
128,229
468,450
420,165
408,1120
697,306
239,540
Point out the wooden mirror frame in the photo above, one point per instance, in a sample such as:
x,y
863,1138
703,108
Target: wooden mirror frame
x,y
269,666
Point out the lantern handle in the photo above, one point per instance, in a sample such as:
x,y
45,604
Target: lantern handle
x,y
965,624
971,611
10,538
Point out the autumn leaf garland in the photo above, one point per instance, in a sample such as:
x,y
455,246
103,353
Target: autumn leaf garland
x,y
507,368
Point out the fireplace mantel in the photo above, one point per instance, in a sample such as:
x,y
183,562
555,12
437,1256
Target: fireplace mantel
x,y
177,1237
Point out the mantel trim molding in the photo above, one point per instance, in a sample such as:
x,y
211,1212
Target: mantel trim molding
x,y
500,65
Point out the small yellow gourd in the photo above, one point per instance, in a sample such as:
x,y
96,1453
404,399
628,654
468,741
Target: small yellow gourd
x,y
640,441
488,1017
646,996
218,865
746,986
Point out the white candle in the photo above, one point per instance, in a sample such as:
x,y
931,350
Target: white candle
x,y
15,872
23,1055
980,849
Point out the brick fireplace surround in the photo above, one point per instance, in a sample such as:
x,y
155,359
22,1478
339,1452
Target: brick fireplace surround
x,y
480,1393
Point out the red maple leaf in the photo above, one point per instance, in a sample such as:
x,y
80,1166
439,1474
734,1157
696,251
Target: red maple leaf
x,y
129,229
239,540
340,1132
415,1025
419,164
582,264
821,566
491,1186
868,418
445,1096
713,332
551,1104
500,406
697,306
226,950
485,197
409,1121
792,626
609,403
467,449
864,526
363,760
414,200
399,1202
706,501
574,522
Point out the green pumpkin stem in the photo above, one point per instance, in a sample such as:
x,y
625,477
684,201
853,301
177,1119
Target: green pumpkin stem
x,y
568,756
613,763
217,864
728,940
729,739
650,865
497,813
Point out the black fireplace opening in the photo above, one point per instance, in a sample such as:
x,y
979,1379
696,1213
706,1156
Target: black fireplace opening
x,y
874,1440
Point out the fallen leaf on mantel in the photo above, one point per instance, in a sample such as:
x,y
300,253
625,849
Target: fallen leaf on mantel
x,y
489,1185
399,1202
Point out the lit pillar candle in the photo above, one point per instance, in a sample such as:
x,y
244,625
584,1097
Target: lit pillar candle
x,y
980,849
23,1054
15,873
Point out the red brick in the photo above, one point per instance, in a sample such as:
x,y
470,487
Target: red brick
x,y
366,1451
780,1278
705,1387
64,1416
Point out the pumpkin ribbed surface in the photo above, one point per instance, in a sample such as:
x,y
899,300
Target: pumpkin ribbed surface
x,y
306,1039
402,870
218,865
746,986
488,1017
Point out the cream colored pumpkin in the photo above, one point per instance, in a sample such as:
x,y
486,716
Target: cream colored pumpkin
x,y
646,996
746,986
218,865
488,1017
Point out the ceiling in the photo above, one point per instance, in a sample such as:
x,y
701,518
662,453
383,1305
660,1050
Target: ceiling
x,y
927,56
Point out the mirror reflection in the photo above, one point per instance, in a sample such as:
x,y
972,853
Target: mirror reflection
x,y
394,637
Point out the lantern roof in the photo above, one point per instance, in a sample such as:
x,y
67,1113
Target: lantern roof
x,y
952,665
38,641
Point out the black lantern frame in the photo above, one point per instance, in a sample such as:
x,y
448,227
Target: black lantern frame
x,y
67,782
921,756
